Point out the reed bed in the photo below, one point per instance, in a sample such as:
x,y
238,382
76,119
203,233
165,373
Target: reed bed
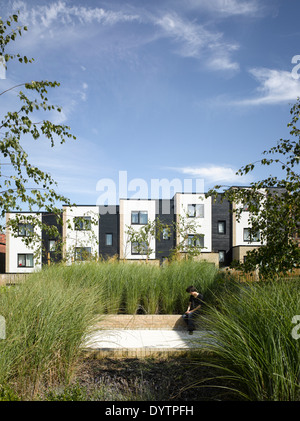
x,y
47,320
249,325
251,340
150,289
50,315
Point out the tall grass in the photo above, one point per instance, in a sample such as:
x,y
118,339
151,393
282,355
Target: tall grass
x,y
251,340
50,315
128,287
132,286
47,321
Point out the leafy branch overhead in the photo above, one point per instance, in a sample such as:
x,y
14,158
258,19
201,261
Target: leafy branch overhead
x,y
274,206
23,184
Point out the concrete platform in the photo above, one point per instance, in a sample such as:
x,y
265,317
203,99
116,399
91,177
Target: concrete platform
x,y
134,336
141,342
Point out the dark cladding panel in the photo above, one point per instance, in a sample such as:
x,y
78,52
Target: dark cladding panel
x,y
109,231
222,227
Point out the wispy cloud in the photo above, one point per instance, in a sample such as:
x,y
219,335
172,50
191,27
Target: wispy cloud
x,y
275,86
192,39
61,12
195,41
216,174
229,7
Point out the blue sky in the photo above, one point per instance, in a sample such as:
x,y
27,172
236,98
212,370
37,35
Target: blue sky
x,y
160,89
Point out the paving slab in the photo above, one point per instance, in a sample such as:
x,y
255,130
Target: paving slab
x,y
142,342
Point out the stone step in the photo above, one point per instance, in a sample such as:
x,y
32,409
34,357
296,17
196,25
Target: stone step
x,y
141,321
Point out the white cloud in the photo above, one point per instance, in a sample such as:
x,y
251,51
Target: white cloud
x,y
62,12
232,7
71,24
215,174
275,86
198,42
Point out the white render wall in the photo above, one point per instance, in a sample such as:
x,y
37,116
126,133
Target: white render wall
x,y
126,207
242,223
204,225
76,238
15,245
239,229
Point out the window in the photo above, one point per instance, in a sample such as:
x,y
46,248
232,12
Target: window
x,y
251,205
51,245
251,237
108,239
25,230
139,217
82,223
196,211
166,234
25,260
195,240
221,227
82,253
221,257
139,248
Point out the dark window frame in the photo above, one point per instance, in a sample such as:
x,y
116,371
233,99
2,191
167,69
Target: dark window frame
x,y
139,217
194,206
112,238
224,253
166,234
28,228
254,238
138,253
224,223
82,223
25,254
194,238
79,253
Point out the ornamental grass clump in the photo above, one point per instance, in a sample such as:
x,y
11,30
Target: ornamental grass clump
x,y
48,318
252,343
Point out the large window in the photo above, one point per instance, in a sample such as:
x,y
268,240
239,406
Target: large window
x,y
139,217
82,253
25,230
139,248
251,237
82,223
195,240
196,211
25,260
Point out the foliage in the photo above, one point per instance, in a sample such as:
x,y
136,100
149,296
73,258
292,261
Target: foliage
x,y
129,287
48,318
24,183
250,339
183,228
274,207
142,237
188,238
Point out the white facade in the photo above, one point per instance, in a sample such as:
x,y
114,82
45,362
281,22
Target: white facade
x,y
195,209
22,258
241,228
142,210
80,232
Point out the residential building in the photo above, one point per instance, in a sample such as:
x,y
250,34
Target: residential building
x,y
103,231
